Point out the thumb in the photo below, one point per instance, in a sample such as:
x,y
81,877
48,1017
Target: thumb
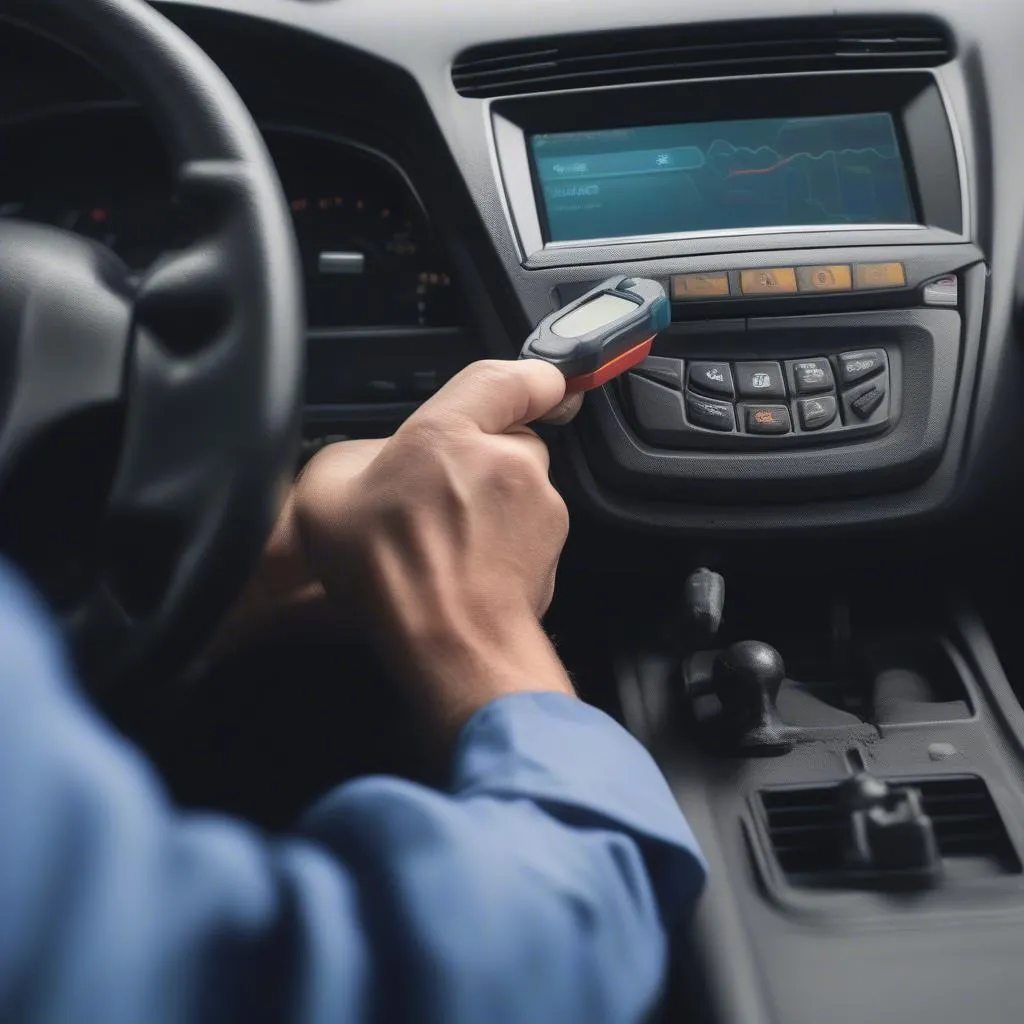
x,y
497,395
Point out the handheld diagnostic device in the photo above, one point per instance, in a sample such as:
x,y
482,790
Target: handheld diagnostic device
x,y
602,334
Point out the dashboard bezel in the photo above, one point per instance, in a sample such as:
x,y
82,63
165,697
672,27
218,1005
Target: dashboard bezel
x,y
915,98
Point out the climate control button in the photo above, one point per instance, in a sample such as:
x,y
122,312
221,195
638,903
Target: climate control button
x,y
767,419
710,414
760,380
812,376
857,366
712,379
817,413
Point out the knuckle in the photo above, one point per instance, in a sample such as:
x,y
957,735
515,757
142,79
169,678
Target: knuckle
x,y
519,471
559,513
428,429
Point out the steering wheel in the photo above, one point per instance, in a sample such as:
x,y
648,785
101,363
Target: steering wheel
x,y
199,364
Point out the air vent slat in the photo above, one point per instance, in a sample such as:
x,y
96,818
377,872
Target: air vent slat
x,y
686,52
807,830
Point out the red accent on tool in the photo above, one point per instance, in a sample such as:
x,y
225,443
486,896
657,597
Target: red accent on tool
x,y
619,365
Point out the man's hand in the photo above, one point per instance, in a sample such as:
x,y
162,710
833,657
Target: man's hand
x,y
449,539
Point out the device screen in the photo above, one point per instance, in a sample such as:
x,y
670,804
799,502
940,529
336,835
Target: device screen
x,y
721,176
592,316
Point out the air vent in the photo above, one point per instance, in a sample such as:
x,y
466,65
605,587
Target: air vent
x,y
808,830
684,52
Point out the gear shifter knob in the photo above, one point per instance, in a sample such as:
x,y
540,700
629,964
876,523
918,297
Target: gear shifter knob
x,y
747,678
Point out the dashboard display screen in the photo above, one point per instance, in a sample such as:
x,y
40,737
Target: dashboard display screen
x,y
722,176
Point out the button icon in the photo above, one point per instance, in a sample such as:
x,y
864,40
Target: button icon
x,y
778,281
760,380
700,286
817,413
709,414
768,419
712,379
837,278
880,275
812,376
857,366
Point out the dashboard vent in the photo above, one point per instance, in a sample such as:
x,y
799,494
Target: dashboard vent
x,y
686,52
808,830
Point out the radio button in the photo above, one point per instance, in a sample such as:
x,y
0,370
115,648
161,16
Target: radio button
x,y
712,379
690,287
817,413
710,414
869,276
760,380
857,366
780,281
812,376
767,419
825,279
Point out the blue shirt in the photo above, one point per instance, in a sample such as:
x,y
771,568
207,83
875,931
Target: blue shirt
x,y
539,888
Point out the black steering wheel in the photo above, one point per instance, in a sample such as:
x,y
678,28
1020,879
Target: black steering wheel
x,y
200,364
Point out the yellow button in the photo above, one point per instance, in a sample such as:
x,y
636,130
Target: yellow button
x,y
700,286
880,275
825,279
780,281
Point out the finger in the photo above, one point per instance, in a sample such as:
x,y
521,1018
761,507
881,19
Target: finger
x,y
499,394
566,410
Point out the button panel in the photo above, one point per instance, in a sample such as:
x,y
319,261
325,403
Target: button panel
x,y
817,399
766,282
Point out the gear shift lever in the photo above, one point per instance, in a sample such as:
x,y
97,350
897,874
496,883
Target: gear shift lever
x,y
747,678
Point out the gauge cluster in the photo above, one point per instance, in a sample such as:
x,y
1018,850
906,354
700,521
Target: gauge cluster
x,y
369,258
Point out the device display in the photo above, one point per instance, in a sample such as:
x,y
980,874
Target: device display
x,y
603,333
723,175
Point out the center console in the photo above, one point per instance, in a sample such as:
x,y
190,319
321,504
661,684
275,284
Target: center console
x,y
814,233
851,766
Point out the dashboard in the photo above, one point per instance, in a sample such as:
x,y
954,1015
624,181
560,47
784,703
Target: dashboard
x,y
829,191
378,284
368,256
814,188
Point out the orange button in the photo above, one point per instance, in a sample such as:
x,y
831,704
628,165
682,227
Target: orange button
x,y
880,275
825,279
700,286
780,281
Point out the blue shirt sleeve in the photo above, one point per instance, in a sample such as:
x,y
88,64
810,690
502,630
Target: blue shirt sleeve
x,y
540,887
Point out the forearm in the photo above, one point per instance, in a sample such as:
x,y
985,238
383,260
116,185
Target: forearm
x,y
542,887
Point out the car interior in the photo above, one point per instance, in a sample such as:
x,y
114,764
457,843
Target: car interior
x,y
794,563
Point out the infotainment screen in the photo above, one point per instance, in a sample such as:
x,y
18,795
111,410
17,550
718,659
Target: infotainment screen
x,y
722,176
